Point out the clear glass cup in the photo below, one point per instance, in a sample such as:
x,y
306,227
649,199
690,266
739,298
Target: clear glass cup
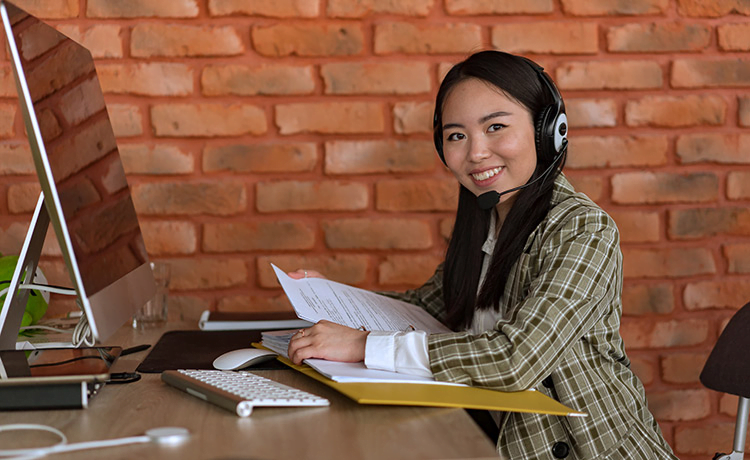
x,y
154,312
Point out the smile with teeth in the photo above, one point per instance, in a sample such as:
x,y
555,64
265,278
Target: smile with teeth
x,y
484,175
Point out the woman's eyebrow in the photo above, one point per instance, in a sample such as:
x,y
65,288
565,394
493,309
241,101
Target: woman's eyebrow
x,y
492,115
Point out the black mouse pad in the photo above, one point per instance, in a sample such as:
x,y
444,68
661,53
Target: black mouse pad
x,y
198,349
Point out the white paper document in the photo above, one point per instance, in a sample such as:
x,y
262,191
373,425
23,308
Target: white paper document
x,y
315,299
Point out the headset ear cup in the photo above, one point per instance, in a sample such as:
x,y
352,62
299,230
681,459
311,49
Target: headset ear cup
x,y
544,144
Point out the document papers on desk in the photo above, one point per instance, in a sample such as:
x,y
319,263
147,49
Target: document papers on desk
x,y
315,299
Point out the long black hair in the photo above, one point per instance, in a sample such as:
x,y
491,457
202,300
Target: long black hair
x,y
515,77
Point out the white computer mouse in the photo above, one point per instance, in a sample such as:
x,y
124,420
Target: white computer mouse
x,y
244,357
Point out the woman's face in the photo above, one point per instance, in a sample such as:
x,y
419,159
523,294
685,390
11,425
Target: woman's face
x,y
488,140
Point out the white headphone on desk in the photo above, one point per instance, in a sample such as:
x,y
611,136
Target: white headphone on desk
x,y
164,435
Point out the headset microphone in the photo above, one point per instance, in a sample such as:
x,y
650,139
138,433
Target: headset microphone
x,y
489,200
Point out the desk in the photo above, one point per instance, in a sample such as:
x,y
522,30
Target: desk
x,y
344,430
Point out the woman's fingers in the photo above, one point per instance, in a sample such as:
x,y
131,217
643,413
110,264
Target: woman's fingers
x,y
302,273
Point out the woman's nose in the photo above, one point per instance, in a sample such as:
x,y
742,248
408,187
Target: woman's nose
x,y
478,150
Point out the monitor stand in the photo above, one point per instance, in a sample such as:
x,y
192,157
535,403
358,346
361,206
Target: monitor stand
x,y
14,305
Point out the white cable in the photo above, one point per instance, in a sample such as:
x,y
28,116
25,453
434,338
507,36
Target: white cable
x,y
48,288
48,328
165,435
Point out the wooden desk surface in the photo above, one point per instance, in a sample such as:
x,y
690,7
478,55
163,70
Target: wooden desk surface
x,y
344,430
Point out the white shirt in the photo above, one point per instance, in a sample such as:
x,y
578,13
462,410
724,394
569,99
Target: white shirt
x,y
406,352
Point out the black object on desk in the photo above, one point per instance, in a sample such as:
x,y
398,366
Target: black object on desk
x,y
198,349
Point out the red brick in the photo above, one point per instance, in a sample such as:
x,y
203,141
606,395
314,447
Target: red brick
x,y
207,120
243,303
738,257
311,196
738,185
50,9
402,37
308,40
413,117
242,80
643,369
147,79
274,9
646,299
547,37
591,113
142,9
48,124
614,7
667,263
728,404
257,236
22,198
658,37
367,157
682,367
155,159
637,226
648,333
416,195
205,273
701,73
376,78
410,271
260,158
189,198
703,295
704,439
343,268
7,120
7,82
713,148
676,112
610,75
169,237
647,187
377,234
16,159
707,222
330,118
68,63
12,236
611,151
591,186
81,102
670,405
126,120
712,8
103,40
364,8
36,40
734,37
486,7
172,40
77,195
744,111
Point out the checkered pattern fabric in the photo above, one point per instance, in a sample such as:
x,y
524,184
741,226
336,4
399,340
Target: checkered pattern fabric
x,y
559,334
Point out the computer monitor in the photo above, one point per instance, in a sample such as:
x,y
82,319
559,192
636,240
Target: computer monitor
x,y
85,194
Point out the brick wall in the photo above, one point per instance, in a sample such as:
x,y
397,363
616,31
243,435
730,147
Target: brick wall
x,y
298,132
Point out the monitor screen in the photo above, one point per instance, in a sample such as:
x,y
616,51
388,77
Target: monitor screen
x,y
79,169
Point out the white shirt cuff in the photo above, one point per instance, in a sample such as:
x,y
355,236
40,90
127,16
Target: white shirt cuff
x,y
403,352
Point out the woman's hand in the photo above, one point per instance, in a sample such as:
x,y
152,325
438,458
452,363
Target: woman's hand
x,y
327,340
300,273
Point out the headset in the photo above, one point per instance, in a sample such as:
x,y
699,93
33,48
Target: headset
x,y
550,136
551,126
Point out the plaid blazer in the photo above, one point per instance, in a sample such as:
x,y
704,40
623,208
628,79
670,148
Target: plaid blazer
x,y
559,334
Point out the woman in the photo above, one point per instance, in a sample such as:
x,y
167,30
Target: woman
x,y
532,285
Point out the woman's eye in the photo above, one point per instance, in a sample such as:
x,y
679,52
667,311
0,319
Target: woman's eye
x,y
455,136
495,127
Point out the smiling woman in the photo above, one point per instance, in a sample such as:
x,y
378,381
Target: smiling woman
x,y
531,284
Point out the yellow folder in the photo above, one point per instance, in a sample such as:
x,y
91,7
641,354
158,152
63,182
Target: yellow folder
x,y
416,394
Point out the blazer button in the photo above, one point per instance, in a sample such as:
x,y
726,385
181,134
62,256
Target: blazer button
x,y
560,450
548,382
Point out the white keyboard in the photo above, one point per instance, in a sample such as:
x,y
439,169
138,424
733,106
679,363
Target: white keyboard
x,y
240,391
